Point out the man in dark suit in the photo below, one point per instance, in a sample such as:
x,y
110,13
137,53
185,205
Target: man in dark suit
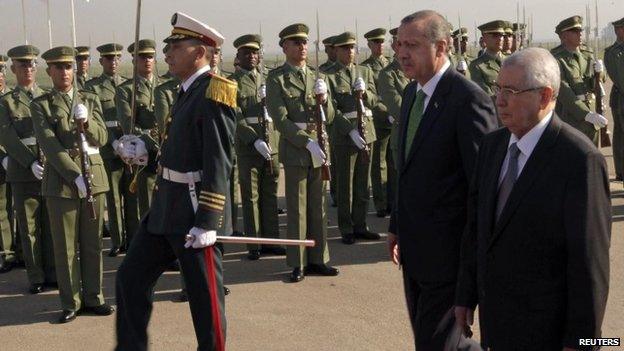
x,y
535,254
443,118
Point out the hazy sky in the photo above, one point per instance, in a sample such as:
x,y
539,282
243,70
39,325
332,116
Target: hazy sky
x,y
99,21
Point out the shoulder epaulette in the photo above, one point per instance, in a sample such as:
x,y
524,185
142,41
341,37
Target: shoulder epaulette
x,y
222,90
43,96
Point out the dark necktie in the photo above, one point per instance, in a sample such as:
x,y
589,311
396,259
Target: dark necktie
x,y
509,180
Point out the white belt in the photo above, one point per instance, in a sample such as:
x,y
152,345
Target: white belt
x,y
256,120
91,150
585,97
303,126
111,124
189,178
29,141
354,114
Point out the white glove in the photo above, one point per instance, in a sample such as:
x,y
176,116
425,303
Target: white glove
x,y
199,238
80,112
82,187
140,155
115,144
318,156
359,85
462,65
391,119
357,139
126,149
262,91
598,66
5,162
598,120
263,148
37,170
320,88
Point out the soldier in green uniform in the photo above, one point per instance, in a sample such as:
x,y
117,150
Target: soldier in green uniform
x,y
76,236
83,63
379,165
460,44
256,149
390,84
614,63
3,62
353,147
164,95
6,231
518,28
291,102
484,69
25,169
508,39
105,87
330,51
576,103
144,126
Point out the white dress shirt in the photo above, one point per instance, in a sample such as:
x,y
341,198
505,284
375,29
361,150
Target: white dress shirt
x,y
187,83
526,145
430,87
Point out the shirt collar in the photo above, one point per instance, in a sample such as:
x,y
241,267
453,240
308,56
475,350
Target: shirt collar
x,y
296,68
527,143
190,80
431,85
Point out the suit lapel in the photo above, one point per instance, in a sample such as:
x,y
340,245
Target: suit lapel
x,y
408,101
293,78
531,170
492,181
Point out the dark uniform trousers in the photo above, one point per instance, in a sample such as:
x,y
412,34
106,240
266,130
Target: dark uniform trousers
x,y
148,257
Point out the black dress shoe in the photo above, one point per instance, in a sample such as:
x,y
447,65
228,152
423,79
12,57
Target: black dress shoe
x,y
321,269
253,255
226,290
67,316
381,213
274,250
348,239
367,235
6,266
101,310
183,297
114,251
296,275
36,288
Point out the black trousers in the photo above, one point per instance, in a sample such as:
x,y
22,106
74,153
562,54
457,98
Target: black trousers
x,y
427,303
147,258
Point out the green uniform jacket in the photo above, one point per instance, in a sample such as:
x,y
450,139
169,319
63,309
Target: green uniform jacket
x,y
164,97
249,108
577,78
291,100
16,124
614,63
104,87
381,116
484,71
82,81
392,82
57,135
324,67
341,82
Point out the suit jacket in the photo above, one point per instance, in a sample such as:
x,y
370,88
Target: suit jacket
x,y
540,273
430,210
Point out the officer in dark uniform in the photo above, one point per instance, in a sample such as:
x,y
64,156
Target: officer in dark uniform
x,y
190,203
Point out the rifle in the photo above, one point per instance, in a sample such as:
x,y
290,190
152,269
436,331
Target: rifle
x,y
460,54
603,138
263,119
359,97
135,87
321,132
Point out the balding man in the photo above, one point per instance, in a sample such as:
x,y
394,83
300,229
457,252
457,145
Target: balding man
x,y
443,117
535,255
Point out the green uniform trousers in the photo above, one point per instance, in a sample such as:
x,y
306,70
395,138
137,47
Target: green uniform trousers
x,y
115,172
34,229
352,188
8,244
305,203
259,196
379,169
77,250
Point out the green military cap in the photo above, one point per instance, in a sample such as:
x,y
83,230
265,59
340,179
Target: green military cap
x,y
82,51
376,34
59,54
497,26
464,32
509,28
574,22
110,49
252,41
618,23
394,31
329,41
146,46
297,30
3,60
346,38
23,52
518,26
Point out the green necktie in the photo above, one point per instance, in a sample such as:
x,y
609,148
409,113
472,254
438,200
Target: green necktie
x,y
415,117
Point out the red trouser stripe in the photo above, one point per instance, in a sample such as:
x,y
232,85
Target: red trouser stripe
x,y
214,299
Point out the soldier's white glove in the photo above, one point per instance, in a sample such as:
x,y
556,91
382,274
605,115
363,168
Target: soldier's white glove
x,y
198,238
82,187
357,139
598,66
598,120
318,156
262,91
37,170
81,113
126,149
462,65
391,119
263,148
140,155
5,163
115,144
359,85
320,88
